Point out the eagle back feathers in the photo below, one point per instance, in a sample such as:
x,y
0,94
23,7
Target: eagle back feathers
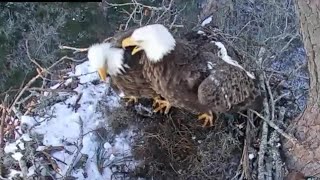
x,y
194,77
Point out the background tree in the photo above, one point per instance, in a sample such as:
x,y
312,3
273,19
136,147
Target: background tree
x,y
305,157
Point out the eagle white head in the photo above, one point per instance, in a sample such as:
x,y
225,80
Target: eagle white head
x,y
154,39
106,59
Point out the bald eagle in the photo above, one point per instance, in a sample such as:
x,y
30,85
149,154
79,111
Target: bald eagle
x,y
197,75
125,72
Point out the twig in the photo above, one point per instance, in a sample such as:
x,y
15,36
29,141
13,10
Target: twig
x,y
73,48
75,76
80,146
54,164
264,140
268,89
23,90
135,3
166,9
275,127
39,75
65,58
23,167
3,120
50,90
274,143
281,96
264,134
245,158
30,58
108,39
76,103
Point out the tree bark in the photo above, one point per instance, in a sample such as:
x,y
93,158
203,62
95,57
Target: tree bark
x,y
305,157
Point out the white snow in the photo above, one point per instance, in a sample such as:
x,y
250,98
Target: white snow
x,y
209,65
251,156
206,21
14,173
13,147
223,54
201,32
61,126
122,94
17,156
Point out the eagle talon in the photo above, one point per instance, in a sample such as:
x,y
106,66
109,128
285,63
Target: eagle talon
x,y
131,99
155,100
162,104
208,118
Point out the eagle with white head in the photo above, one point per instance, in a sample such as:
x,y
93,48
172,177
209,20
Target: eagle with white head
x,y
125,72
195,74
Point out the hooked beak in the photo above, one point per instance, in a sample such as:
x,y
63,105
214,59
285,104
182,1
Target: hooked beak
x,y
102,73
130,42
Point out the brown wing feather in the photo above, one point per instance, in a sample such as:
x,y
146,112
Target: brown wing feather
x,y
177,76
227,88
183,78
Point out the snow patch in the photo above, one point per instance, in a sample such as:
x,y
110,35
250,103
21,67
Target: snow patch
x,y
85,72
209,65
122,94
63,128
251,156
201,32
17,156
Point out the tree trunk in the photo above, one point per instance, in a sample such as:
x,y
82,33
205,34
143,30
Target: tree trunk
x,y
305,157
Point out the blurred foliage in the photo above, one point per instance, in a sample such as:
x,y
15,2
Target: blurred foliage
x,y
47,25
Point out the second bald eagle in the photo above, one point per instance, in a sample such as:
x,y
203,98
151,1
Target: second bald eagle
x,y
125,71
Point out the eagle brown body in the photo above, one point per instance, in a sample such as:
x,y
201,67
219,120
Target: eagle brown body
x,y
194,86
194,76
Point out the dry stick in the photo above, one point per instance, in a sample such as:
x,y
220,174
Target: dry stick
x,y
165,11
23,167
274,140
264,140
3,118
281,96
135,4
272,103
23,90
244,162
50,90
130,17
73,161
31,59
264,136
52,162
246,165
34,79
31,81
268,166
275,127
73,48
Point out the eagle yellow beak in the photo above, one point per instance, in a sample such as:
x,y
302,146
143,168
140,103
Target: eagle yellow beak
x,y
102,73
135,50
130,42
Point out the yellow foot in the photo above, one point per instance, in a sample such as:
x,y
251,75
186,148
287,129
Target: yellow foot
x,y
207,118
162,104
131,99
